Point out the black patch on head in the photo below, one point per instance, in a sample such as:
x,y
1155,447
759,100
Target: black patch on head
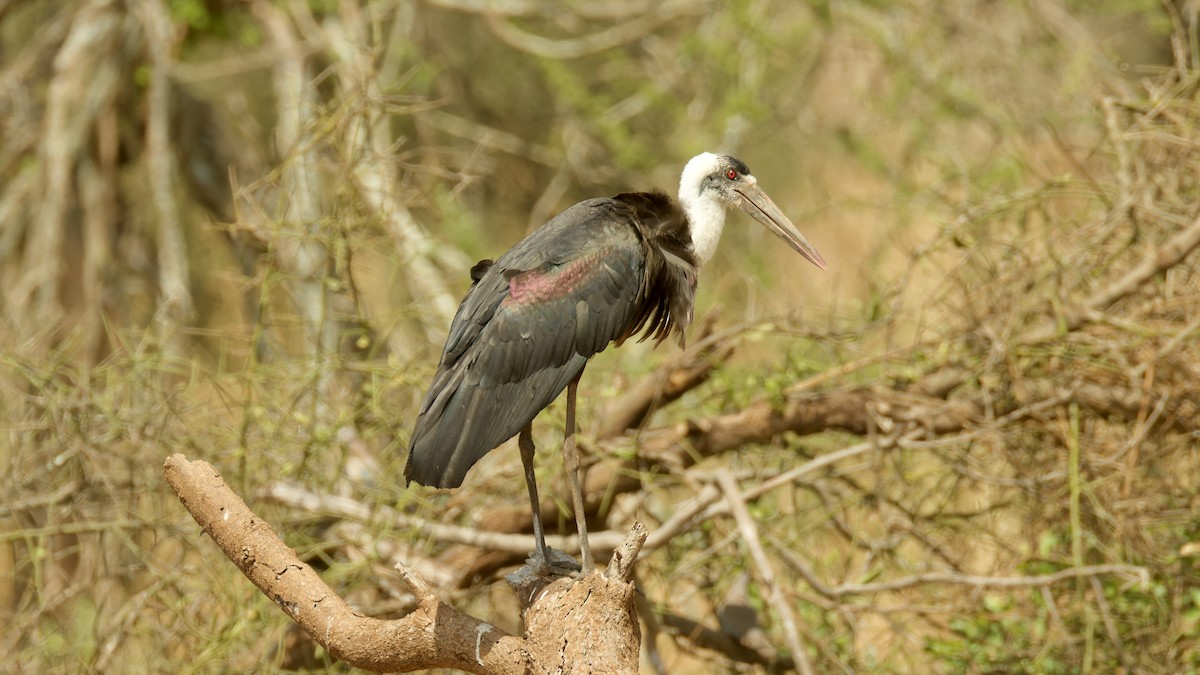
x,y
738,165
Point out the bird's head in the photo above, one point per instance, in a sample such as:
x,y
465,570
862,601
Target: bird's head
x,y
710,183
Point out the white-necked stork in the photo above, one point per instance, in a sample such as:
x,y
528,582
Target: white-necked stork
x,y
600,272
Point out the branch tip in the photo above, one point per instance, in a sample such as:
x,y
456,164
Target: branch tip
x,y
625,555
426,596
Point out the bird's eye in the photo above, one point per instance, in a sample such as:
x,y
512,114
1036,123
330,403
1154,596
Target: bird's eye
x,y
731,174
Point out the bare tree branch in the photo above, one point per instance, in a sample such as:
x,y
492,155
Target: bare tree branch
x,y
81,87
632,28
368,141
433,636
1134,573
175,307
1160,259
780,603
584,625
722,643
679,375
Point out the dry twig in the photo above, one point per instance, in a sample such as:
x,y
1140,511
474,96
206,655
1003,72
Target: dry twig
x,y
781,604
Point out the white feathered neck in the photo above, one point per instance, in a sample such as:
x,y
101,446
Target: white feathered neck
x,y
705,211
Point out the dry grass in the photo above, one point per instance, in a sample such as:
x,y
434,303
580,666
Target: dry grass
x,y
1013,365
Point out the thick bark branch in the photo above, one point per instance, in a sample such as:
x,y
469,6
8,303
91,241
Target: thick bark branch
x,y
435,635
572,625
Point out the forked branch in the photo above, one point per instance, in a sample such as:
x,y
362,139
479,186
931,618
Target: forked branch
x,y
572,625
434,636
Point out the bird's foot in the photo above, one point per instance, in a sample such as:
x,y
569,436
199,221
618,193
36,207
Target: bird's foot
x,y
539,572
554,564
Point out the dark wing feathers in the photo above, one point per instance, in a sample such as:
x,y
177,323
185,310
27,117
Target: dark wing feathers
x,y
596,273
448,444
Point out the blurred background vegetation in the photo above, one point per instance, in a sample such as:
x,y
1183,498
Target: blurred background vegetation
x,y
238,230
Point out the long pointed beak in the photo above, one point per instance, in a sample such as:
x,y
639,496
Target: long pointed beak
x,y
756,202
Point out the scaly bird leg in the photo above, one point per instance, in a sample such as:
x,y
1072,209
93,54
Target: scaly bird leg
x,y
571,461
541,559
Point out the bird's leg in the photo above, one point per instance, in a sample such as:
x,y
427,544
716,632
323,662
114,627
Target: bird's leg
x,y
541,561
571,461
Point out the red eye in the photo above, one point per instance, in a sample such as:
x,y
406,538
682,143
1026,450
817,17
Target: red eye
x,y
731,174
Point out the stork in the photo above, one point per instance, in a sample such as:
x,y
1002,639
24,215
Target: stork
x,y
600,272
